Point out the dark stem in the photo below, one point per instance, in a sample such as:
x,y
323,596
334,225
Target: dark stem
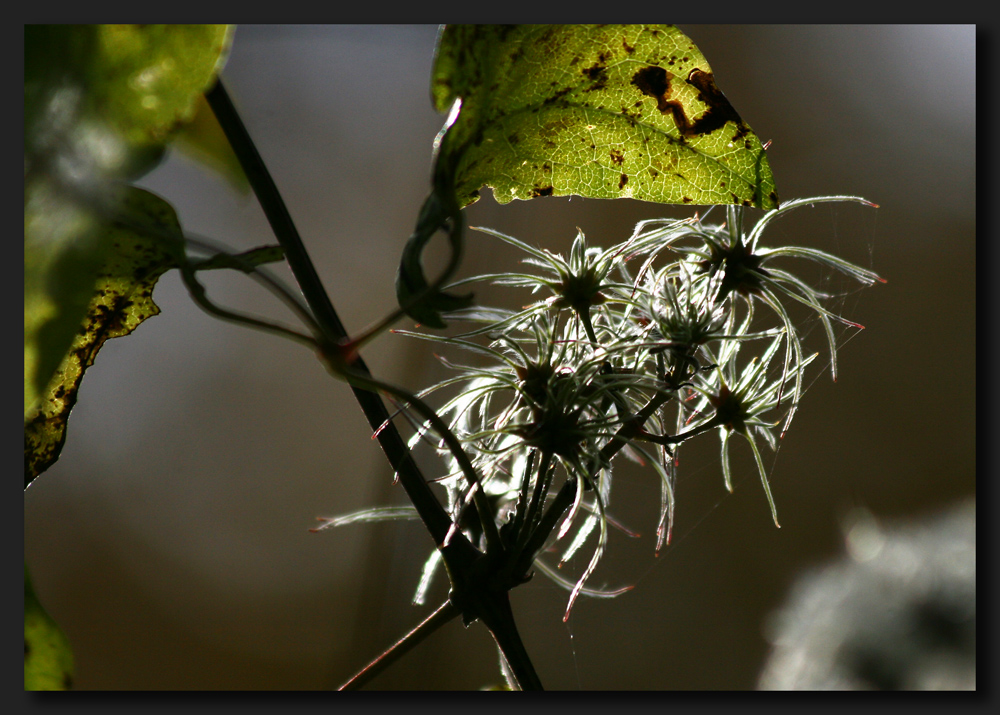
x,y
533,511
499,619
479,496
431,512
523,497
275,210
584,314
445,613
460,554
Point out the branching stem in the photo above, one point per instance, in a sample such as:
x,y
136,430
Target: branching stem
x,y
431,512
459,554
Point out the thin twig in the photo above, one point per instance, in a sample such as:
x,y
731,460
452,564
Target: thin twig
x,y
446,612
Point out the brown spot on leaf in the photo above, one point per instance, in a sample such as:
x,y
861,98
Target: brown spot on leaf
x,y
623,181
545,191
719,111
617,157
598,75
654,82
628,48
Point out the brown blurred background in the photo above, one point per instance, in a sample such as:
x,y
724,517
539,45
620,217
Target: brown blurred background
x,y
171,540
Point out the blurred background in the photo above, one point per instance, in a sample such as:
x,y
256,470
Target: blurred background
x,y
171,539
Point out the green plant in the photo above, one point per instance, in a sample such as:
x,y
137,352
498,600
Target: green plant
x,y
615,358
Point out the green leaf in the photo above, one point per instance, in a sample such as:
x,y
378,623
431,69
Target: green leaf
x,y
48,659
601,111
100,102
121,300
64,249
106,98
139,83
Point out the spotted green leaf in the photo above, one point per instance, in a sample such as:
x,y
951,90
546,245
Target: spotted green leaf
x,y
48,660
601,111
121,300
100,103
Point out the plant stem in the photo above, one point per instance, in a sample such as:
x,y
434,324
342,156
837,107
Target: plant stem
x,y
199,295
497,616
533,509
499,619
440,426
584,314
431,512
445,613
274,209
492,607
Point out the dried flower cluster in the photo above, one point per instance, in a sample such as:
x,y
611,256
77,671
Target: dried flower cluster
x,y
634,349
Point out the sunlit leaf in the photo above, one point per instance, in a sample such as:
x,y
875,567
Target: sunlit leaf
x,y
122,299
155,74
601,111
48,659
100,101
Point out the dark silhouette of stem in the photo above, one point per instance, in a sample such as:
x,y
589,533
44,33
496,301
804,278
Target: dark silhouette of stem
x,y
428,507
489,605
498,617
